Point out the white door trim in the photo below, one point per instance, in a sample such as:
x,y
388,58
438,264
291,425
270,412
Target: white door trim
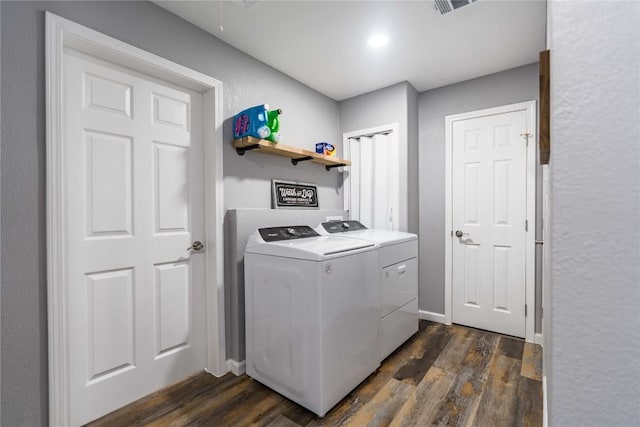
x,y
61,33
402,177
530,108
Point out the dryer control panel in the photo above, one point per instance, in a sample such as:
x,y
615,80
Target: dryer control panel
x,y
292,232
342,226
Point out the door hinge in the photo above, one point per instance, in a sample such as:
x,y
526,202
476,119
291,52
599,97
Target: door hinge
x,y
526,225
525,310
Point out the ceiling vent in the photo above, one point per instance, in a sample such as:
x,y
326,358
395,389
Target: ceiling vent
x,y
246,4
446,6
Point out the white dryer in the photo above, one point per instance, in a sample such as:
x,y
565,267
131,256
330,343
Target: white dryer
x,y
311,314
398,279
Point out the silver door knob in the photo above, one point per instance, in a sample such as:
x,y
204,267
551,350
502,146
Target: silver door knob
x,y
196,246
459,233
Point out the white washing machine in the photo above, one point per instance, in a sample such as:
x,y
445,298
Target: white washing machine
x,y
398,279
311,314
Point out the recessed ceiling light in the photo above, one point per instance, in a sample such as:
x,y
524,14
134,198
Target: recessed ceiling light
x,y
378,40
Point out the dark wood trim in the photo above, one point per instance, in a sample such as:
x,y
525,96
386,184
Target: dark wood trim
x,y
545,107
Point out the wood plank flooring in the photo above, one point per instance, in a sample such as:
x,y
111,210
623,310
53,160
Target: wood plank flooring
x,y
444,375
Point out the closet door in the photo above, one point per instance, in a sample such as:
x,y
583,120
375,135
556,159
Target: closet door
x,y
373,180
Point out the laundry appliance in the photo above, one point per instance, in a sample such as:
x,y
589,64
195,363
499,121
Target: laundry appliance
x,y
397,267
312,312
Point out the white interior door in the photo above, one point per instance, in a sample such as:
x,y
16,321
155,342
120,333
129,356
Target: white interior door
x,y
374,181
133,185
489,210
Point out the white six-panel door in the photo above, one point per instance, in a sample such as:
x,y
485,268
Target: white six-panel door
x,y
133,181
489,208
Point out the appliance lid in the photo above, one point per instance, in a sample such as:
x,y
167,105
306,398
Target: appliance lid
x,y
383,237
314,247
356,230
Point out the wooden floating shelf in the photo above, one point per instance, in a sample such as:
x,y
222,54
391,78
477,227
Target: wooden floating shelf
x,y
296,154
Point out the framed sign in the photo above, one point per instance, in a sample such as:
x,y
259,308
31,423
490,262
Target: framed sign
x,y
296,195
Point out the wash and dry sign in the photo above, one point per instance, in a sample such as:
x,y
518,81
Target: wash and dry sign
x,y
297,195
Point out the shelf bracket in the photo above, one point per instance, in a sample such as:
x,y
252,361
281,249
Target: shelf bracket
x,y
242,150
300,159
329,167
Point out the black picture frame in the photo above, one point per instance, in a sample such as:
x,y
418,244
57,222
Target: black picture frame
x,y
293,195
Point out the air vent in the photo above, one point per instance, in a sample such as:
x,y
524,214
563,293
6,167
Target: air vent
x,y
446,6
246,4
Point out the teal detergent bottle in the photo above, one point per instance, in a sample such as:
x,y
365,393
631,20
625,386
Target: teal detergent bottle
x,y
273,123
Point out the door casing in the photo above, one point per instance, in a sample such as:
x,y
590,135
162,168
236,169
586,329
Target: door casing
x,y
530,108
61,33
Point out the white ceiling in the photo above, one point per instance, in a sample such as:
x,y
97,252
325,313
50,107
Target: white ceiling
x,y
324,43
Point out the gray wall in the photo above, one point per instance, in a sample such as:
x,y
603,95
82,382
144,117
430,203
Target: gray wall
x,y
594,375
508,87
308,118
0,232
393,104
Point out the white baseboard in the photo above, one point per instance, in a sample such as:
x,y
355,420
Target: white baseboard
x,y
238,368
537,339
428,315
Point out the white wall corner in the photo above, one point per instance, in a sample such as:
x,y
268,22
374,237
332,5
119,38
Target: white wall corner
x,y
545,402
537,339
238,368
429,315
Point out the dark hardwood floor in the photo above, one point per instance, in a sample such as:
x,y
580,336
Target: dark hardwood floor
x,y
444,375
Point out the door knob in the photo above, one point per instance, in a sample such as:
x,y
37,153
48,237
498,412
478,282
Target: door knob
x,y
196,246
459,233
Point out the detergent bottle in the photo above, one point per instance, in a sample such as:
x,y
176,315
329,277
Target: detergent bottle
x,y
274,125
252,122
